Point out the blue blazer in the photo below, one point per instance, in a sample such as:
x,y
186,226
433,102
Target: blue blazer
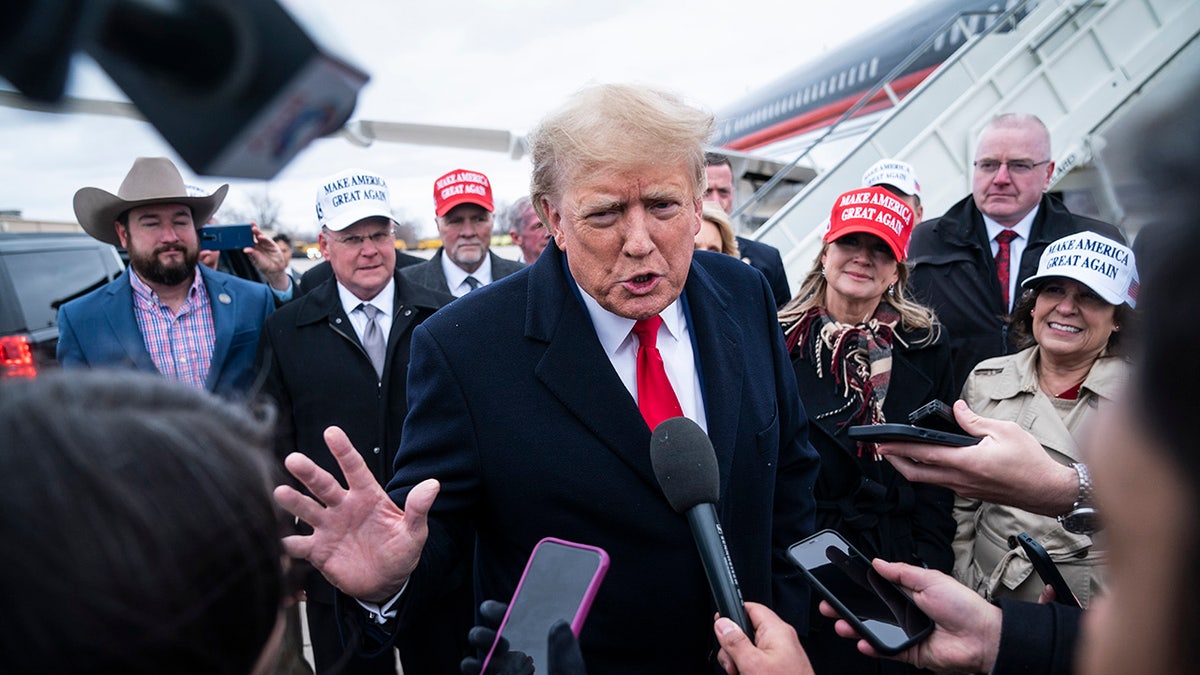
x,y
516,409
99,330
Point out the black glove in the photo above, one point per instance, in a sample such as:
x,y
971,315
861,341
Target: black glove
x,y
563,651
504,662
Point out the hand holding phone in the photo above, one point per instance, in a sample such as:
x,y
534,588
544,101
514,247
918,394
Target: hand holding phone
x,y
877,609
560,581
1047,570
218,237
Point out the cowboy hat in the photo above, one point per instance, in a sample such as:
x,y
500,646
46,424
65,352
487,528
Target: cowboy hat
x,y
152,180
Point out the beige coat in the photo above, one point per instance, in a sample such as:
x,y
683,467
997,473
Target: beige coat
x,y
986,555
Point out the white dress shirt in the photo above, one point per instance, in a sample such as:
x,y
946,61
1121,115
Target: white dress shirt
x,y
674,343
384,302
456,277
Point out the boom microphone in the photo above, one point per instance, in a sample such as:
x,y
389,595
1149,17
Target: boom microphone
x,y
686,468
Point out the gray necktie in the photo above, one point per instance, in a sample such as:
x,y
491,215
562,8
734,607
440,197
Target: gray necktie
x,y
373,338
472,282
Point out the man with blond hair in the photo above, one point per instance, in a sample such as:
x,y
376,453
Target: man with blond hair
x,y
617,176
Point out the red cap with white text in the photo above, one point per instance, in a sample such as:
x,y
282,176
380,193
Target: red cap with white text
x,y
462,187
876,211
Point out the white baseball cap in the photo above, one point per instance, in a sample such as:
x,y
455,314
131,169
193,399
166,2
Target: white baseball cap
x,y
899,175
1103,265
347,197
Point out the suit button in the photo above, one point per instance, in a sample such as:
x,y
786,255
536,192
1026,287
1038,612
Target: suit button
x,y
376,451
1012,542
1081,554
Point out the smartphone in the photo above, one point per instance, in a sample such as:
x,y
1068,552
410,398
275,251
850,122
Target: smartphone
x,y
883,614
1047,570
226,237
907,433
559,584
936,415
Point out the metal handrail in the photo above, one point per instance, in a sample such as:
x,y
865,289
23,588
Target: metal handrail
x,y
884,84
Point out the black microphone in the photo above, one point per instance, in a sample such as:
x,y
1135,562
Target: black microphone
x,y
686,468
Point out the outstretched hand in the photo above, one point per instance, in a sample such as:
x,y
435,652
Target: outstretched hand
x,y
362,542
1007,467
966,632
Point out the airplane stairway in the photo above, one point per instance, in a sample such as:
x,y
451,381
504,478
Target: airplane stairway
x,y
1076,64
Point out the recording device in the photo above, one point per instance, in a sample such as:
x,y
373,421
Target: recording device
x,y
236,87
686,468
559,583
1047,570
226,237
879,611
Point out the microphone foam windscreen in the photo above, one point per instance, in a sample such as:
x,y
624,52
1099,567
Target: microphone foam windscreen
x,y
684,464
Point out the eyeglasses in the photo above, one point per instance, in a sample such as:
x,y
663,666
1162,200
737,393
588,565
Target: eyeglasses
x,y
356,240
1017,167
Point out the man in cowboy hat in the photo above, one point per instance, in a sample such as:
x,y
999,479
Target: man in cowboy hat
x,y
161,315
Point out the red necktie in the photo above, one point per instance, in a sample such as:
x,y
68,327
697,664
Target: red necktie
x,y
656,398
1002,262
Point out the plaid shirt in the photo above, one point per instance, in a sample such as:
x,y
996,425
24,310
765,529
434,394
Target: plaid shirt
x,y
181,346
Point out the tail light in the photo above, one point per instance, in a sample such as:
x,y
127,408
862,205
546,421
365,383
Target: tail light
x,y
16,357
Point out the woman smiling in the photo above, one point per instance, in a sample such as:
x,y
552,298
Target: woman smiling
x,y
1072,318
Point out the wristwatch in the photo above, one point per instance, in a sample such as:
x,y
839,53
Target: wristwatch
x,y
1083,518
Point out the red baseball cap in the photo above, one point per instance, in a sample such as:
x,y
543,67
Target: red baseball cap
x,y
873,210
461,187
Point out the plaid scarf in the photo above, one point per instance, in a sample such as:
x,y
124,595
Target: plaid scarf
x,y
860,357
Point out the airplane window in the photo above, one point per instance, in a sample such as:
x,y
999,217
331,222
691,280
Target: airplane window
x,y
850,77
875,67
821,90
841,80
862,71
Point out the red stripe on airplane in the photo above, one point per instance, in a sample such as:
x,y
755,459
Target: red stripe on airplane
x,y
826,115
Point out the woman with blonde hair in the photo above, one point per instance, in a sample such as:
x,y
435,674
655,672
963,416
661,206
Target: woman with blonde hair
x,y
864,353
716,231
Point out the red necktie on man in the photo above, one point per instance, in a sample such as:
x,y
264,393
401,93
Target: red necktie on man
x,y
656,398
1004,239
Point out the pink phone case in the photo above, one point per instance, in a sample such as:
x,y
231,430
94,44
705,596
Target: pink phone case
x,y
595,556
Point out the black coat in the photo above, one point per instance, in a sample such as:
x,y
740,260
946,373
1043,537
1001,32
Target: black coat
x,y
430,275
954,273
766,259
868,501
579,466
315,369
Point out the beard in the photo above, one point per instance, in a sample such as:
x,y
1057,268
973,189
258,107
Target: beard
x,y
151,268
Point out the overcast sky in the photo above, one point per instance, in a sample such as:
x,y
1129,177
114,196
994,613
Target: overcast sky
x,y
488,63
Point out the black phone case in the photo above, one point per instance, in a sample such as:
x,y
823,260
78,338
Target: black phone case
x,y
906,433
849,616
936,415
1047,570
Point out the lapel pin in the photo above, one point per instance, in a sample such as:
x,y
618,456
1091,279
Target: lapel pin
x,y
224,298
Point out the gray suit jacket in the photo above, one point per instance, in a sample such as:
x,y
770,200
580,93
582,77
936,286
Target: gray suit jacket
x,y
429,274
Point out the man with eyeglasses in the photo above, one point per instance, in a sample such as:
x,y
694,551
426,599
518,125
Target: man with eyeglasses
x,y
338,355
463,205
968,264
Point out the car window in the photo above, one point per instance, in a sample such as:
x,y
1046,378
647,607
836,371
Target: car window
x,y
43,280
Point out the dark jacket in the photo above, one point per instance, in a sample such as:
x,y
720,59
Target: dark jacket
x,y
430,275
766,259
1037,639
315,369
579,469
866,500
954,273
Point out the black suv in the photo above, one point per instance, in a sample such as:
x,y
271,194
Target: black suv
x,y
39,272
